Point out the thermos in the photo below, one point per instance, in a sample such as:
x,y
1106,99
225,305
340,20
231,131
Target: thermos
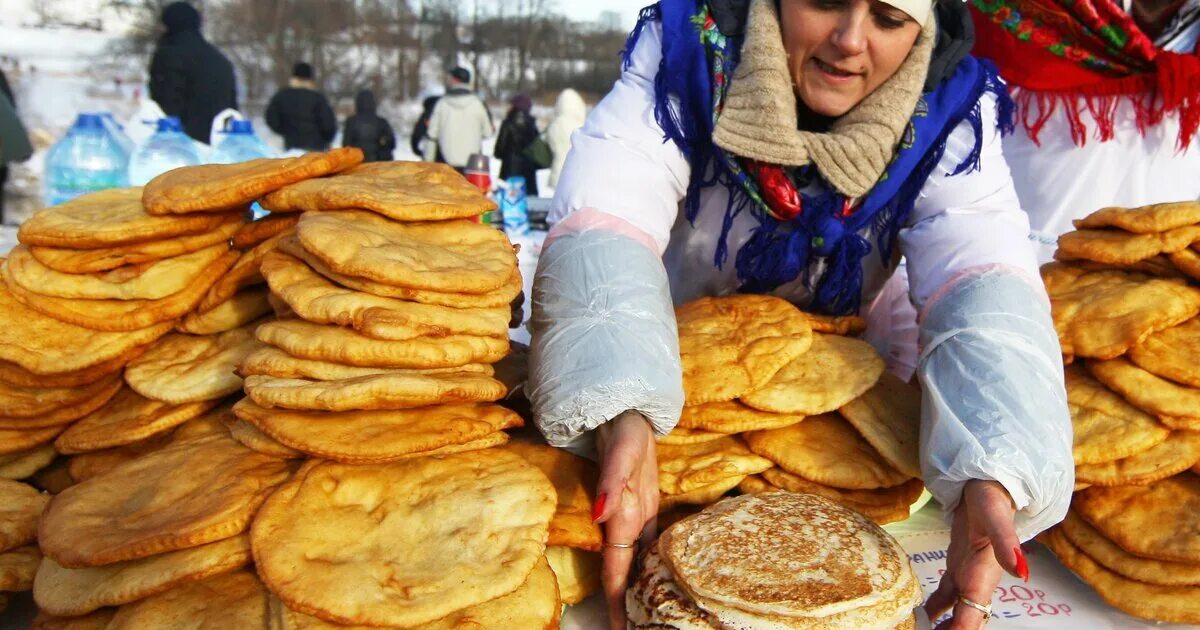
x,y
479,173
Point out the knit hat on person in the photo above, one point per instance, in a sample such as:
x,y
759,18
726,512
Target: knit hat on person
x,y
461,74
179,17
302,70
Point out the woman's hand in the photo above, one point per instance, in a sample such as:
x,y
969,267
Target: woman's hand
x,y
983,544
626,502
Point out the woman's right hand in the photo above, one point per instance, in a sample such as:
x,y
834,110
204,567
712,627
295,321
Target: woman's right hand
x,y
626,502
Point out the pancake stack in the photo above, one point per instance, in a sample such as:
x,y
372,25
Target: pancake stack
x,y
777,399
775,560
1125,304
20,507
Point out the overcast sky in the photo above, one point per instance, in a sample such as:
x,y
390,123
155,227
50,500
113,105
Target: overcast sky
x,y
591,9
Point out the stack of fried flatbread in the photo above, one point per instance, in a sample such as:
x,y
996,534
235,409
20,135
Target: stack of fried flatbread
x,y
399,305
780,399
20,507
775,560
1129,330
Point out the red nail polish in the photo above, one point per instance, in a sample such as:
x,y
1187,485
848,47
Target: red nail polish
x,y
598,508
1022,566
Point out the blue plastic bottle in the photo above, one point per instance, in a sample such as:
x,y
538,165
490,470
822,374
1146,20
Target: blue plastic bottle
x,y
514,207
169,148
87,159
240,144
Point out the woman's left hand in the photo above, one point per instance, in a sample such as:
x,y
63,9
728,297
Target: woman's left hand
x,y
983,544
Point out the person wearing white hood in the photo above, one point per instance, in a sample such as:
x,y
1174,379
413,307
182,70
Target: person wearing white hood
x,y
459,123
569,114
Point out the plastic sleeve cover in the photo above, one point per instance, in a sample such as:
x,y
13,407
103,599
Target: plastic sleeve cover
x,y
994,404
604,339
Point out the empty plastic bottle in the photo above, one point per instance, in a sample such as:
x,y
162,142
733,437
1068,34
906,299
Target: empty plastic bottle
x,y
87,159
240,144
169,148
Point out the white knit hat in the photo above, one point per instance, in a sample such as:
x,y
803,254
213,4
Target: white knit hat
x,y
918,10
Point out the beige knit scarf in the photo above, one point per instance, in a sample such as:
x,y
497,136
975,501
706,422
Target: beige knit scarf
x,y
759,120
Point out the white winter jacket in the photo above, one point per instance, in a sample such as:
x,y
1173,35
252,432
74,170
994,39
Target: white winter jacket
x,y
458,125
569,114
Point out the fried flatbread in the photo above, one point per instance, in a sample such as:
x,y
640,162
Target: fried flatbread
x,y
689,467
833,372
869,502
461,530
827,450
25,463
230,600
1159,266
188,494
122,315
1123,248
256,232
1187,261
1173,604
1171,402
1158,521
246,272
112,217
377,436
574,480
99,394
704,495
43,345
1103,314
126,419
733,417
733,345
243,308
71,592
836,325
271,361
1160,217
20,507
23,402
681,435
577,571
1179,452
888,416
109,258
1171,353
1106,428
14,374
146,281
189,368
17,440
315,299
17,568
339,345
500,297
446,256
222,187
93,621
402,191
1115,559
254,439
379,391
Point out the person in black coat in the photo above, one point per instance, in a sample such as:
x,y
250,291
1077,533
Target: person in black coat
x,y
369,131
517,131
189,77
421,129
301,114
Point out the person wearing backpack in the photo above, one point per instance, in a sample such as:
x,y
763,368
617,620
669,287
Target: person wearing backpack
x,y
368,130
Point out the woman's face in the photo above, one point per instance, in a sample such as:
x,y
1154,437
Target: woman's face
x,y
839,51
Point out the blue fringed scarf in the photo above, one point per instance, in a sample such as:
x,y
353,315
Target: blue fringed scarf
x,y
697,62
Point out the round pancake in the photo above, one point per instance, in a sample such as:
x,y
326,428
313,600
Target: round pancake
x,y
182,368
146,281
689,467
110,217
1169,353
128,418
271,361
378,391
339,345
448,256
1151,393
827,450
245,307
574,480
655,601
101,392
1106,427
318,300
1179,452
187,494
17,568
1115,559
109,258
1173,604
1160,521
25,463
71,592
20,507
888,416
833,372
231,600
377,436
731,345
223,187
459,530
733,417
577,571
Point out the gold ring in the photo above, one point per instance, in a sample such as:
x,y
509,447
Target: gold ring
x,y
986,609
620,546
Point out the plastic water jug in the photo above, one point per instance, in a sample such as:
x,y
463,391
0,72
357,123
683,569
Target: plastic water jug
x,y
87,159
514,207
239,144
169,148
117,131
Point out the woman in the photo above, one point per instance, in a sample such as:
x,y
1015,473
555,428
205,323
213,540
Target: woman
x,y
569,113
518,130
794,148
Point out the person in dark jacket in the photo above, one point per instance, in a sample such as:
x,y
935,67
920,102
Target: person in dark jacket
x,y
14,141
369,131
189,77
301,114
420,130
517,131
